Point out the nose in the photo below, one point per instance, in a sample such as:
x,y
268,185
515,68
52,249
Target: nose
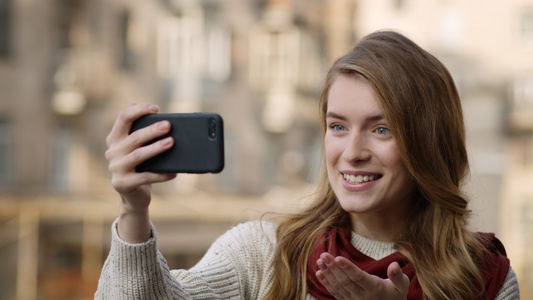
x,y
357,149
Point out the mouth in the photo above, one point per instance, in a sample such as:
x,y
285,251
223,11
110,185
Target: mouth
x,y
355,179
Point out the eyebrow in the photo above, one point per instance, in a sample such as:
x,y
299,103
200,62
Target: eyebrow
x,y
341,117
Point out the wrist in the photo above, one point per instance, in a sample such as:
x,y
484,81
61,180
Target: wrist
x,y
128,209
134,225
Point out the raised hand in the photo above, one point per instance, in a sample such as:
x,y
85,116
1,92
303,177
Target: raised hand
x,y
125,151
345,281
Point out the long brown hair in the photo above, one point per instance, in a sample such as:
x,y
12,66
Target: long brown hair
x,y
422,107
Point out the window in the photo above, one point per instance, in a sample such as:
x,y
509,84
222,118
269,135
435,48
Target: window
x,y
180,41
181,59
522,150
287,55
526,25
218,48
274,56
451,28
399,4
520,113
526,219
523,90
5,152
70,160
67,11
62,146
5,28
126,59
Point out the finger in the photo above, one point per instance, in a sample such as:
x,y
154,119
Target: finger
x,y
350,272
137,139
398,278
338,274
127,163
323,278
142,136
122,125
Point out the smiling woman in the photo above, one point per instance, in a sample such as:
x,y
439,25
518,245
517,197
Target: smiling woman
x,y
388,220
358,144
414,214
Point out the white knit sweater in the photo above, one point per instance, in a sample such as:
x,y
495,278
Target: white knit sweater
x,y
237,266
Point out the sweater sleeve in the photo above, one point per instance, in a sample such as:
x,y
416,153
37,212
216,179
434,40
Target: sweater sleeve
x,y
136,271
235,267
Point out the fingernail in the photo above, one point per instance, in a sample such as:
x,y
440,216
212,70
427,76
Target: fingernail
x,y
320,264
320,276
166,142
163,126
153,108
341,264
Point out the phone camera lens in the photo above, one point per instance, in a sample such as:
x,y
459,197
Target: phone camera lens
x,y
212,128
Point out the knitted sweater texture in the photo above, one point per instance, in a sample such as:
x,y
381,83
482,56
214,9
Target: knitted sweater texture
x,y
237,266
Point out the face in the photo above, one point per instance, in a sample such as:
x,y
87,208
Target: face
x,y
363,162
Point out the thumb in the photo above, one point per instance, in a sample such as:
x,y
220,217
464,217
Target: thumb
x,y
398,278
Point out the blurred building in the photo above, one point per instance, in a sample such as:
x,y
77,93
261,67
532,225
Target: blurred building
x,y
67,67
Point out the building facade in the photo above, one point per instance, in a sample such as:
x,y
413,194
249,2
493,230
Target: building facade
x,y
67,67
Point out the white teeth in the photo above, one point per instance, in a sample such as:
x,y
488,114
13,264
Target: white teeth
x,y
359,178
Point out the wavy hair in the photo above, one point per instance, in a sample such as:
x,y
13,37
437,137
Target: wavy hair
x,y
422,107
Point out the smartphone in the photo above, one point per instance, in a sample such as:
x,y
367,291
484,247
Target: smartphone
x,y
198,143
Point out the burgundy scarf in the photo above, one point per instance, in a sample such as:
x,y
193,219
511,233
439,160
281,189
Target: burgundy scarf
x,y
495,266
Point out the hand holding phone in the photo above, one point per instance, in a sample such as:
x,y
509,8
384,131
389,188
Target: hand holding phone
x,y
124,152
198,143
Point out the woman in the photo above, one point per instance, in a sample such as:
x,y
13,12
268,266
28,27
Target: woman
x,y
389,220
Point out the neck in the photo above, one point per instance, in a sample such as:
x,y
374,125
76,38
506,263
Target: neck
x,y
378,228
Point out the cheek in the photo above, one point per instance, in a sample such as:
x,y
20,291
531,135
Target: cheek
x,y
402,175
332,150
389,154
392,159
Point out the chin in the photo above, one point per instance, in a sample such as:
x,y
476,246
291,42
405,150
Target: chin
x,y
355,208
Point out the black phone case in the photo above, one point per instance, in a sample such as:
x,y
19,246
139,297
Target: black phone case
x,y
198,144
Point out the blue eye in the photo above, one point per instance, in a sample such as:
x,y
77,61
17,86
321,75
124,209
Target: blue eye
x,y
383,131
336,127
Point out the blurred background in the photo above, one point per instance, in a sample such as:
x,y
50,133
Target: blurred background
x,y
67,67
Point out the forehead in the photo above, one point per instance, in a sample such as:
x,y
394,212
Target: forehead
x,y
352,96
